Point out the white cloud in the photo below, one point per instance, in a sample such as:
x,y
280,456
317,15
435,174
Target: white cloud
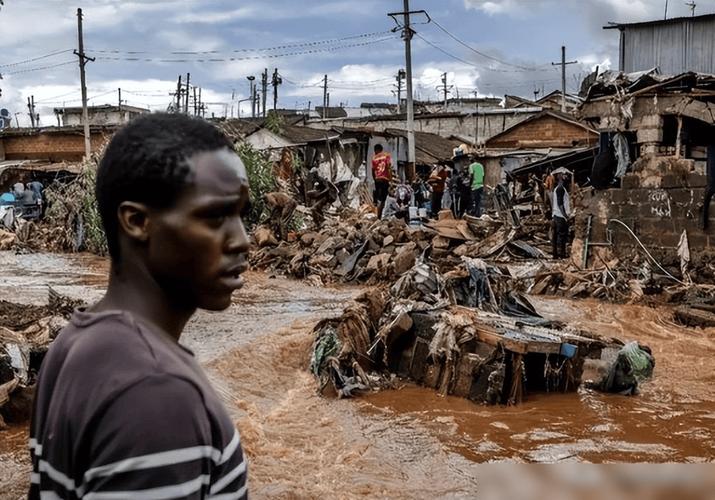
x,y
216,17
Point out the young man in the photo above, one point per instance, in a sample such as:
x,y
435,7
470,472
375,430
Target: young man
x,y
476,174
561,214
382,175
437,181
122,409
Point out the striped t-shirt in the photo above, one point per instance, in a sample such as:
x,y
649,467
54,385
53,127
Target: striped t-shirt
x,y
123,411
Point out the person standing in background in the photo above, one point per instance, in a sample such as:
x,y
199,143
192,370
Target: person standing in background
x,y
476,173
382,174
437,181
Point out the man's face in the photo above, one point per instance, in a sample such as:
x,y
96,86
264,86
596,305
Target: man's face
x,y
198,247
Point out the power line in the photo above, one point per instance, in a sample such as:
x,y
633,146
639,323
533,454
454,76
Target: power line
x,y
496,59
245,58
259,49
51,54
40,68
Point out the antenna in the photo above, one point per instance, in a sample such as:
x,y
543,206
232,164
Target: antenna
x,y
692,6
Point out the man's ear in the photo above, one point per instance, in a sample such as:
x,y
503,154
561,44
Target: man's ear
x,y
134,220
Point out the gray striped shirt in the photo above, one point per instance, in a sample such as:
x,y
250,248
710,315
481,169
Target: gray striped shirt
x,y
123,411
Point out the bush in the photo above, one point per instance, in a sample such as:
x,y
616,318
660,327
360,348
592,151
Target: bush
x,y
260,178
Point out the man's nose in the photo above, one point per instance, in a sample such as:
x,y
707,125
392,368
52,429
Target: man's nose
x,y
237,237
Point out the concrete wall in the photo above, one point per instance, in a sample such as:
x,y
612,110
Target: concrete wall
x,y
52,147
657,215
490,123
99,118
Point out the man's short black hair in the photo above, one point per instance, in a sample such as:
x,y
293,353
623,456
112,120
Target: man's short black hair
x,y
378,148
145,162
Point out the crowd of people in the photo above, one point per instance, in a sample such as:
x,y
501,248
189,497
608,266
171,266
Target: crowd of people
x,y
442,188
23,199
462,192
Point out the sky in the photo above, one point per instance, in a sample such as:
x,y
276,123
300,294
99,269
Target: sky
x,y
494,48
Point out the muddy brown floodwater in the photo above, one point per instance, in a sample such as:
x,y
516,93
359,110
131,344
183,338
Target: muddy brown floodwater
x,y
407,443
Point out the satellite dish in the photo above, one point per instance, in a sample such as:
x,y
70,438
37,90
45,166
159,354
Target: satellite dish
x,y
4,113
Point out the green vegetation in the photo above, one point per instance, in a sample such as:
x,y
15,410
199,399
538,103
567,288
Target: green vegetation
x,y
260,177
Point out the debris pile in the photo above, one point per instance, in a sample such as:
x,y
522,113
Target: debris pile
x,y
359,248
26,332
463,333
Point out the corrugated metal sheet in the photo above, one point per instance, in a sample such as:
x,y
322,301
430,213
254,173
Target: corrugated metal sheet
x,y
674,48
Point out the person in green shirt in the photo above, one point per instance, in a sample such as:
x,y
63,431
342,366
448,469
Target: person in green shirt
x,y
476,174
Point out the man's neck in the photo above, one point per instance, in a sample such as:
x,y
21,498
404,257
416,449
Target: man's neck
x,y
135,291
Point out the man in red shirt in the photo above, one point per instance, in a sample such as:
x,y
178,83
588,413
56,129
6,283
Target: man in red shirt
x,y
382,174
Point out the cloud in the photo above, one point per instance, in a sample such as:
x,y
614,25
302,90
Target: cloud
x,y
216,17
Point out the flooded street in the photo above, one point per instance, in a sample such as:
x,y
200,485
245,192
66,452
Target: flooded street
x,y
411,442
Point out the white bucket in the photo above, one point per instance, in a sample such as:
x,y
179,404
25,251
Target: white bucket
x,y
423,213
413,212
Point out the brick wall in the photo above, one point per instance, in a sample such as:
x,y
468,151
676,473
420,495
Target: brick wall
x,y
544,132
656,214
53,147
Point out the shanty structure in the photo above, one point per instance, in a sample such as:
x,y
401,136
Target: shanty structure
x,y
53,144
655,163
673,46
106,114
542,137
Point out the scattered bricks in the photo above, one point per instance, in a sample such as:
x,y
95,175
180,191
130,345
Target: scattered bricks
x,y
440,242
630,181
292,237
697,181
405,259
378,262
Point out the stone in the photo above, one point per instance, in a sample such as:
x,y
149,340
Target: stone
x,y
405,258
388,240
264,237
378,262
440,242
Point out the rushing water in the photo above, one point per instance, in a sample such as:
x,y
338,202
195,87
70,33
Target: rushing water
x,y
408,442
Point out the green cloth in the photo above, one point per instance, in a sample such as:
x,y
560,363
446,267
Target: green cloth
x,y
476,170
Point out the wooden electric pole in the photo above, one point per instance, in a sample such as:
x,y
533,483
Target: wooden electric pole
x,y
277,80
563,65
400,77
188,89
325,96
178,96
119,95
82,62
264,90
407,34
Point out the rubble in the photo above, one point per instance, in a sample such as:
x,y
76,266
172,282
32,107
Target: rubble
x,y
25,335
464,333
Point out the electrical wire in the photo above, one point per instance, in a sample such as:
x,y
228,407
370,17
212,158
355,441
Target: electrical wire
x,y
259,49
245,58
51,54
646,251
496,59
41,68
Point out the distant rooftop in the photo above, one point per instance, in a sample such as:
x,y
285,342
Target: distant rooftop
x,y
672,20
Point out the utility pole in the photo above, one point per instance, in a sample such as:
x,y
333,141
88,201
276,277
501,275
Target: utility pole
x,y
264,90
476,119
188,88
178,96
201,104
325,95
563,65
119,94
692,6
400,77
445,88
82,62
233,97
196,103
407,34
32,112
277,80
665,16
252,93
